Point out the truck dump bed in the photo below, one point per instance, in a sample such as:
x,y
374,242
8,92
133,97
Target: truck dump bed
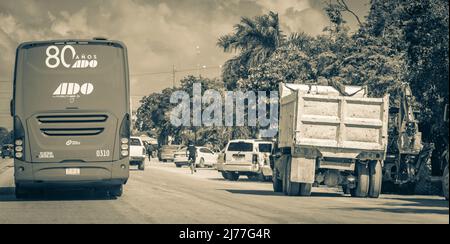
x,y
335,126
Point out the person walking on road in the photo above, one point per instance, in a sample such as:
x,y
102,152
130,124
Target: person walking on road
x,y
149,151
192,156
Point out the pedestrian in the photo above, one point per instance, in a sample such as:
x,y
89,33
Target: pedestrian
x,y
192,156
149,151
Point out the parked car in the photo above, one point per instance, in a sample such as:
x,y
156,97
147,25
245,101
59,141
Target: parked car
x,y
246,157
181,157
7,151
137,152
167,152
205,157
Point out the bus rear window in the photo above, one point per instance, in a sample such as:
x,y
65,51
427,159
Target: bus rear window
x,y
240,147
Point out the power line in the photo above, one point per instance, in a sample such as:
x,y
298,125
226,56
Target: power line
x,y
177,71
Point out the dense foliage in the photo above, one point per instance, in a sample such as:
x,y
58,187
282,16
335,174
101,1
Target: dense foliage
x,y
399,41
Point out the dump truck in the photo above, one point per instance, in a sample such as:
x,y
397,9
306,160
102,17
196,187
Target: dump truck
x,y
408,167
327,137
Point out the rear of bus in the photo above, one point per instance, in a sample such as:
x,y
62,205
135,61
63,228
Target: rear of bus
x,y
71,114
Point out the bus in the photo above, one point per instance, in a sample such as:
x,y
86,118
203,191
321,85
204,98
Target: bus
x,y
71,114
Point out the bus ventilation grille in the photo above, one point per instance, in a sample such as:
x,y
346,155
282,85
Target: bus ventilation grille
x,y
72,125
53,119
72,132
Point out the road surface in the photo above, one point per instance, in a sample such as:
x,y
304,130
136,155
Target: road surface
x,y
165,194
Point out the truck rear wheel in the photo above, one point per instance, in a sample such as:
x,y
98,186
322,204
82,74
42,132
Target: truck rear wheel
x,y
233,176
376,179
276,182
363,181
445,182
305,189
225,175
292,188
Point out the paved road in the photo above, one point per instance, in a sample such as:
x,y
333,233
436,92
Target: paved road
x,y
165,194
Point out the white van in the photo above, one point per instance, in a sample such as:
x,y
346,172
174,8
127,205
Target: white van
x,y
246,157
137,152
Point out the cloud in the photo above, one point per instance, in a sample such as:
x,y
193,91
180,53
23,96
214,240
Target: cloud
x,y
158,33
297,15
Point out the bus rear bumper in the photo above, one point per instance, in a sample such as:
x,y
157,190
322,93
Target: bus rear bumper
x,y
88,174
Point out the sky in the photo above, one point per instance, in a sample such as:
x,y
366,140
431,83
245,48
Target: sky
x,y
159,34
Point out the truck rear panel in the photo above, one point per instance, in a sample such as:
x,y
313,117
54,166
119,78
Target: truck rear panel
x,y
335,126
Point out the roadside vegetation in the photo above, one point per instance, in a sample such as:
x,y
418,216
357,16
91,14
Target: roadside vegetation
x,y
399,41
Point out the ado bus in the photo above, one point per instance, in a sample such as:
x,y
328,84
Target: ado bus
x,y
71,111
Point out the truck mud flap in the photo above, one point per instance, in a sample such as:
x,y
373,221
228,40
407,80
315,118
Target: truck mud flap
x,y
303,170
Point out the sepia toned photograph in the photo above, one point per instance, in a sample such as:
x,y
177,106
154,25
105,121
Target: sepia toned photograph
x,y
216,113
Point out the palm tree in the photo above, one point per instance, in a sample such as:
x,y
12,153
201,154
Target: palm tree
x,y
254,39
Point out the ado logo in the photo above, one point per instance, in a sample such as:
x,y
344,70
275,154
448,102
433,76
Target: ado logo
x,y
73,90
56,57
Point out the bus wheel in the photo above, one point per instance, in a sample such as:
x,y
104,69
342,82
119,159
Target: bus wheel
x,y
376,179
21,193
363,181
116,191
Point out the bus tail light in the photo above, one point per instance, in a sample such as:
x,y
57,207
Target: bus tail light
x,y
19,135
125,136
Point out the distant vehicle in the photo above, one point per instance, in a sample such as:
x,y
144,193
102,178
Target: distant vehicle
x,y
246,157
138,152
205,157
7,151
181,158
167,152
326,138
71,110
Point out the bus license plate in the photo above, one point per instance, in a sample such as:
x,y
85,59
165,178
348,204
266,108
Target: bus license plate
x,y
73,171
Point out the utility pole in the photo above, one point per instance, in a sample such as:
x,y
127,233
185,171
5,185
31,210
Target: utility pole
x,y
197,51
173,75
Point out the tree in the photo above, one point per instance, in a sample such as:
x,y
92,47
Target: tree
x,y
6,137
254,39
154,114
420,29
